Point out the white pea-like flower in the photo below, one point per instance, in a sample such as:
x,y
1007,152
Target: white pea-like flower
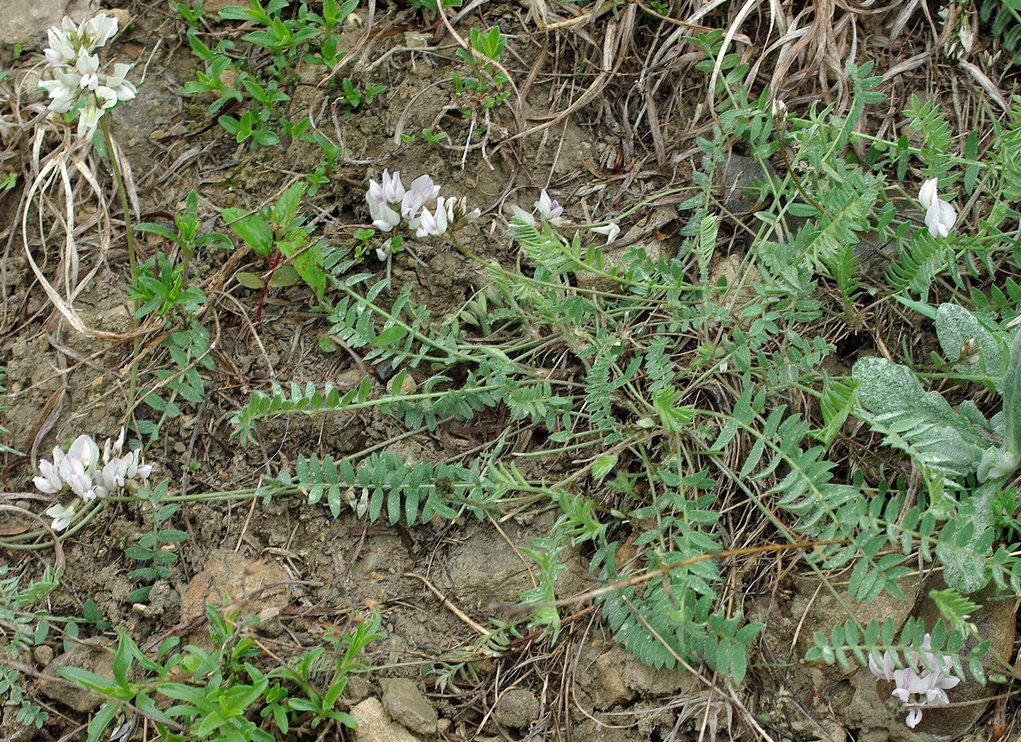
x,y
48,482
87,66
431,224
61,49
122,88
95,106
96,31
940,216
383,217
421,191
390,201
391,191
887,669
548,208
61,515
88,474
611,231
924,682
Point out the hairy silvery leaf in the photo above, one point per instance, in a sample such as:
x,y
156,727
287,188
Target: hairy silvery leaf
x,y
966,542
996,463
965,339
1012,398
920,423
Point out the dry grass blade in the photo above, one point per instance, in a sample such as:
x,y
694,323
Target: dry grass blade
x,y
985,83
50,186
615,40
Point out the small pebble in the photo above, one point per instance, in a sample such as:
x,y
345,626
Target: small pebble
x,y
43,655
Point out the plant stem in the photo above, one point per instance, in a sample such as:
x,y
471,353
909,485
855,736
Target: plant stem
x,y
121,191
129,234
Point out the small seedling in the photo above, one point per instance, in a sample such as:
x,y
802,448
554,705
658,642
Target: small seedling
x,y
278,235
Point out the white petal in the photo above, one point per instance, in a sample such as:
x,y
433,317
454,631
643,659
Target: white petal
x,y
426,224
61,516
393,189
611,231
521,216
43,485
383,217
928,192
914,716
375,194
95,32
441,216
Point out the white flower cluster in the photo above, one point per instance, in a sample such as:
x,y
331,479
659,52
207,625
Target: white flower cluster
x,y
88,475
924,682
390,202
78,83
940,216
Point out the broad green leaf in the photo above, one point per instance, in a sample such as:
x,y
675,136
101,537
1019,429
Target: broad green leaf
x,y
249,280
252,228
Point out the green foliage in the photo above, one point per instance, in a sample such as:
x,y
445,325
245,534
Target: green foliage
x,y
155,549
223,693
162,288
960,450
485,80
931,126
21,628
1004,19
278,234
955,609
667,389
384,484
434,5
849,640
189,349
290,38
354,98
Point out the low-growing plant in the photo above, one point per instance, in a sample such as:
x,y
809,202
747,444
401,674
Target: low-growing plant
x,y
485,79
279,235
156,549
162,288
966,458
434,139
355,97
433,6
22,627
612,356
233,691
291,37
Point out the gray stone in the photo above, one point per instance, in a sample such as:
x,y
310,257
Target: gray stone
x,y
95,659
43,655
26,21
517,709
405,703
375,726
744,183
485,571
601,677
